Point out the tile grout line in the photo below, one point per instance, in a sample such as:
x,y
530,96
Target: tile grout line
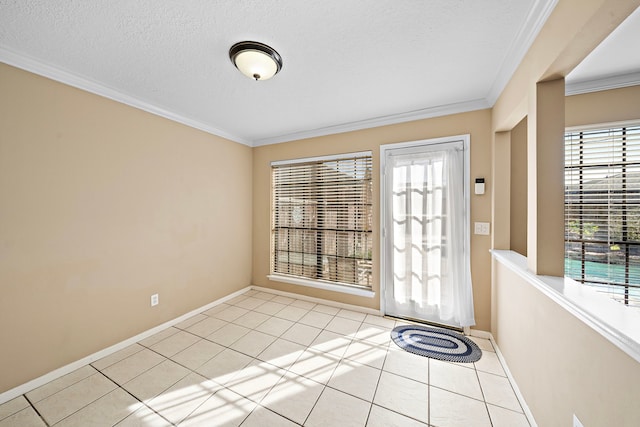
x,y
323,329
169,359
314,405
65,387
93,401
515,394
226,347
510,386
377,385
36,410
324,386
351,337
460,394
428,393
258,405
361,322
141,402
229,348
484,398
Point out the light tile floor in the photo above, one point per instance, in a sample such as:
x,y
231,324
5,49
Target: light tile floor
x,y
267,360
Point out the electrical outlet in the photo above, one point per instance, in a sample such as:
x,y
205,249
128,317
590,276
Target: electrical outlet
x,y
481,228
576,421
154,300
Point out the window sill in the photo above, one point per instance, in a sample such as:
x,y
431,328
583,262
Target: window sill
x,y
361,292
614,322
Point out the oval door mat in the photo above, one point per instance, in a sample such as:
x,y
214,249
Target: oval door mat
x,y
436,343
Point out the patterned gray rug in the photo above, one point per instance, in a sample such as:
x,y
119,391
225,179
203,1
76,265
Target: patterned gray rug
x,y
441,344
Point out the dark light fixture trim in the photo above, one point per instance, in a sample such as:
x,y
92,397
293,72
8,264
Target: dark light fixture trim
x,y
248,46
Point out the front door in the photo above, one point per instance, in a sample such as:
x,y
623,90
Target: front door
x,y
425,202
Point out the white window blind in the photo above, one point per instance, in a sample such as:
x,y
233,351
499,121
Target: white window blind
x,y
322,219
602,210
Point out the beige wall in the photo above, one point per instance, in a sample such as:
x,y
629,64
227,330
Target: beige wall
x,y
561,365
572,31
518,211
477,124
102,206
594,108
607,106
575,370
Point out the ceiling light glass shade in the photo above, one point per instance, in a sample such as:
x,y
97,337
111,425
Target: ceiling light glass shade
x,y
255,60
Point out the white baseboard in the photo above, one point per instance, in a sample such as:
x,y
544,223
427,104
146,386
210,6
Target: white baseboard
x,y
525,408
481,334
319,301
37,382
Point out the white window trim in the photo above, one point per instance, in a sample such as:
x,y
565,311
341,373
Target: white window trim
x,y
321,158
605,125
320,284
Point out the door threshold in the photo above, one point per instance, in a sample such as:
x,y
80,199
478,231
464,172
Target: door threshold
x,y
427,323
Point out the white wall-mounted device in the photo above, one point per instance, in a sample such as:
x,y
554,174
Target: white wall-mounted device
x,y
479,185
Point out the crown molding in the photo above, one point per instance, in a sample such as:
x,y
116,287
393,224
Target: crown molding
x,y
606,83
52,72
41,68
535,20
426,113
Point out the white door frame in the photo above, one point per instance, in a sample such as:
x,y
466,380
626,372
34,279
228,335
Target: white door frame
x,y
385,256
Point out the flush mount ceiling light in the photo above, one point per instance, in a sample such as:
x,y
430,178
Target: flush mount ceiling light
x,y
255,60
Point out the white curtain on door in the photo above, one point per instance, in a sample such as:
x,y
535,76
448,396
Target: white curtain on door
x,y
432,280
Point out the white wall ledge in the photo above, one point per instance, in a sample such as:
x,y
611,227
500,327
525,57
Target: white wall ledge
x,y
618,324
345,289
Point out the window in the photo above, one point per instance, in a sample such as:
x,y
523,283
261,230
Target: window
x,y
602,210
322,219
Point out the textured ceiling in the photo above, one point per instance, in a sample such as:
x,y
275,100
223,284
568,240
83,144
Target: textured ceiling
x,y
347,64
614,63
